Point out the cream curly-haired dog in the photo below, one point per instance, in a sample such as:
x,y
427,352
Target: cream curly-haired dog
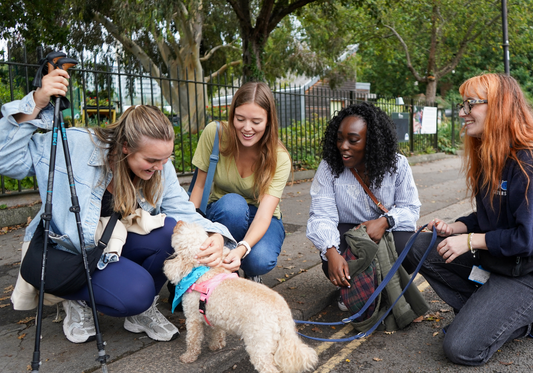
x,y
252,311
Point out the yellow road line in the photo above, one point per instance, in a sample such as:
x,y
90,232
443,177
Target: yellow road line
x,y
341,355
423,286
341,333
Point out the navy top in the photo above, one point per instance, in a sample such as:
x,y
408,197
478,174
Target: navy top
x,y
508,225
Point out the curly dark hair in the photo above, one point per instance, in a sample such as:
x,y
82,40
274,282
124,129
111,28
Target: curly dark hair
x,y
381,150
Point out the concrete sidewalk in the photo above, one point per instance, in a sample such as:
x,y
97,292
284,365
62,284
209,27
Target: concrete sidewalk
x,y
298,277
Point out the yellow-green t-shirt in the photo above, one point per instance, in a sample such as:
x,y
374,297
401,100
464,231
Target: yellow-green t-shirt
x,y
227,178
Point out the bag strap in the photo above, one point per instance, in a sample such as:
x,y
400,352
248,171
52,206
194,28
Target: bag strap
x,y
378,290
368,191
108,231
213,160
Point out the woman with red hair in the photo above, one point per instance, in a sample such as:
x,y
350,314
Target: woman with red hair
x,y
490,307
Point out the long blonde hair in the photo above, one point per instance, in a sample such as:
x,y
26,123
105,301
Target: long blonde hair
x,y
508,128
137,123
260,94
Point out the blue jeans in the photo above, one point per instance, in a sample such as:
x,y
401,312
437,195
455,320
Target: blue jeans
x,y
128,287
487,315
232,211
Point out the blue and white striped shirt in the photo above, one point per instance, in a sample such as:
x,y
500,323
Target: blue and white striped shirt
x,y
343,200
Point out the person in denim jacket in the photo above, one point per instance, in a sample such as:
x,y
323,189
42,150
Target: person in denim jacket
x,y
119,168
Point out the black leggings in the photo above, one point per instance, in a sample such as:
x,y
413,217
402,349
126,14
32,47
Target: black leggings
x,y
400,240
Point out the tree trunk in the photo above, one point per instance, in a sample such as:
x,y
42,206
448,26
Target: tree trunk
x,y
431,90
186,97
192,97
253,56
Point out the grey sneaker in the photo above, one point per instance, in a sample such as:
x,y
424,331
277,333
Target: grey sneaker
x,y
78,325
153,323
341,305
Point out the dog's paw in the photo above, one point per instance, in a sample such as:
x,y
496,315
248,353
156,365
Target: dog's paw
x,y
189,357
217,344
217,340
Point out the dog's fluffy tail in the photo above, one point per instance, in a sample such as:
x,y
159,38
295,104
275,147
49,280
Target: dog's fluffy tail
x,y
292,355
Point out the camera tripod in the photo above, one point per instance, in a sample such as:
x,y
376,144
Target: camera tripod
x,y
59,60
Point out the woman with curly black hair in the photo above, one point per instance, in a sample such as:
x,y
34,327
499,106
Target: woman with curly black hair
x,y
360,140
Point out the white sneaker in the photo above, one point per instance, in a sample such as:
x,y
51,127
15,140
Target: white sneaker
x,y
153,323
341,305
257,279
78,325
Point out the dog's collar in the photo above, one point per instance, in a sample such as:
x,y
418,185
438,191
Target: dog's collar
x,y
186,283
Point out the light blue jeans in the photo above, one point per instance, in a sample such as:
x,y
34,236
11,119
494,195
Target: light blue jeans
x,y
487,315
232,211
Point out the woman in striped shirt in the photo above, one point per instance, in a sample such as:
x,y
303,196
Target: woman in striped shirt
x,y
360,137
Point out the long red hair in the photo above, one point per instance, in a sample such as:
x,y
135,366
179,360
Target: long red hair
x,y
508,128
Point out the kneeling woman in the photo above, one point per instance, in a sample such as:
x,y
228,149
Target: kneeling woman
x,y
498,162
360,140
249,180
120,168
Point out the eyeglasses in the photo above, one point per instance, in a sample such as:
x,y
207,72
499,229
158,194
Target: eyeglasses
x,y
467,105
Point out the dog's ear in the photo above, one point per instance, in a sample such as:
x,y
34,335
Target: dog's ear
x,y
178,226
177,267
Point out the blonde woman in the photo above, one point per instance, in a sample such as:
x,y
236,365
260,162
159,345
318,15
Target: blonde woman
x,y
119,168
250,177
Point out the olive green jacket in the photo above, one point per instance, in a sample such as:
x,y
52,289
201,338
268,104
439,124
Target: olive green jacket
x,y
410,306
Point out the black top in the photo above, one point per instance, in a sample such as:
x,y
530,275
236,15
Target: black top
x,y
107,204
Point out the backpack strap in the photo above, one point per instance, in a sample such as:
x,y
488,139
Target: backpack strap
x,y
213,160
108,231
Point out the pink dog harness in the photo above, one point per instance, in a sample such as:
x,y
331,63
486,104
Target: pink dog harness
x,y
206,288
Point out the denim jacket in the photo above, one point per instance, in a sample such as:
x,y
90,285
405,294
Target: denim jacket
x,y
24,152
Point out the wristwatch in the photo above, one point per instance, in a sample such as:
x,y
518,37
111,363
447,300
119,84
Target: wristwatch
x,y
390,220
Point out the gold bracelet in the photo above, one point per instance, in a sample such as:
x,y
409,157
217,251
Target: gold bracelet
x,y
473,251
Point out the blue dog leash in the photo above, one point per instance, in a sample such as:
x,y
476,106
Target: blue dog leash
x,y
376,293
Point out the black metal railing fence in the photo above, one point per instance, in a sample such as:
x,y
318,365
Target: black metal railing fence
x,y
101,89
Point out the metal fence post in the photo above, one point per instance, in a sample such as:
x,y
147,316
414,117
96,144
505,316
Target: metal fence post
x,y
411,124
436,144
453,126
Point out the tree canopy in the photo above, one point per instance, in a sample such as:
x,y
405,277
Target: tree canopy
x,y
404,47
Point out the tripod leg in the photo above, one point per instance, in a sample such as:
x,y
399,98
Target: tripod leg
x,y
46,217
75,208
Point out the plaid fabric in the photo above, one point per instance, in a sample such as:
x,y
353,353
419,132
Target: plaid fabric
x,y
361,288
